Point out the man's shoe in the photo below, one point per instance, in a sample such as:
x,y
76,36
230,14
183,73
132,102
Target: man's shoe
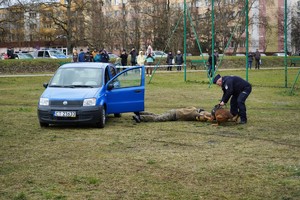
x,y
243,122
200,110
136,118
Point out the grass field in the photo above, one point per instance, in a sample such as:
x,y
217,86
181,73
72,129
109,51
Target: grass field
x,y
168,160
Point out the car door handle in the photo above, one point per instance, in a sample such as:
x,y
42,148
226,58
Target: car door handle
x,y
137,91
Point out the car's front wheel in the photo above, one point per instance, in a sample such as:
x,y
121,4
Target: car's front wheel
x,y
102,119
117,115
42,124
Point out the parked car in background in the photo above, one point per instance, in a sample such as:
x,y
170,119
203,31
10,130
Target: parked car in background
x,y
111,55
204,54
85,93
263,54
159,54
23,56
3,56
188,54
49,53
279,54
240,54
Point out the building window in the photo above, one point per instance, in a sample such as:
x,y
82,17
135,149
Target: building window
x,y
116,2
32,15
33,26
47,26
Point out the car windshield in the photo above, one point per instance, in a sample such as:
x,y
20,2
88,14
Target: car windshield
x,y
77,77
158,53
56,53
23,55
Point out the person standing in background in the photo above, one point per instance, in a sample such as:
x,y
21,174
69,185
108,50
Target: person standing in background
x,y
149,62
10,53
133,56
250,60
141,59
124,57
257,59
179,60
81,56
169,61
75,55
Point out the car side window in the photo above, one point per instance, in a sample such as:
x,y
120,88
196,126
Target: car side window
x,y
47,54
107,78
40,54
132,78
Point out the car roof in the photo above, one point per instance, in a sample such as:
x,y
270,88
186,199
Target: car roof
x,y
86,64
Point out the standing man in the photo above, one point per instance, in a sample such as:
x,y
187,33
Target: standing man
x,y
250,60
133,56
10,53
104,56
238,89
257,59
169,61
178,60
81,56
124,57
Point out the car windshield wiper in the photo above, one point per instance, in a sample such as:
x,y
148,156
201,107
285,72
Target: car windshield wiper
x,y
56,86
76,86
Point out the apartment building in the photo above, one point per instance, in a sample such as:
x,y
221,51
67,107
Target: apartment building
x,y
129,19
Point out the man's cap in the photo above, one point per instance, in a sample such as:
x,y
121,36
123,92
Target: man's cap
x,y
216,78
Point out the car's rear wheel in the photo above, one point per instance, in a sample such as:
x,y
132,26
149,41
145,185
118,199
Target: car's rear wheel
x,y
102,119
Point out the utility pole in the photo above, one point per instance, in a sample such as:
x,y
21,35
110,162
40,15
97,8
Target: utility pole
x,y
184,39
213,37
247,37
124,43
285,41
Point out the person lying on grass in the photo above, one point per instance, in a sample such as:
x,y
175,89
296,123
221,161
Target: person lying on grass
x,y
180,114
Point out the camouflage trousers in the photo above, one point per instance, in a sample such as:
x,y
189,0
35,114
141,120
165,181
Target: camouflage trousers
x,y
151,117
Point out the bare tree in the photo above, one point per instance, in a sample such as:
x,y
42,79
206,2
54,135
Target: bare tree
x,y
295,24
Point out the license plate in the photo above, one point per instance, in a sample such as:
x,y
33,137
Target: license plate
x,y
65,114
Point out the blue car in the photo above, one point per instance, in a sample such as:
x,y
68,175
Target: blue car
x,y
85,93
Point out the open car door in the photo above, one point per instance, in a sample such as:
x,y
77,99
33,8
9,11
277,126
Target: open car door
x,y
126,91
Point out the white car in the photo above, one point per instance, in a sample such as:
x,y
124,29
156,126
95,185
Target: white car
x,y
159,54
51,53
279,54
240,54
111,55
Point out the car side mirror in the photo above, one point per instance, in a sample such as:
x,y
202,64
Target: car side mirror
x,y
110,86
45,85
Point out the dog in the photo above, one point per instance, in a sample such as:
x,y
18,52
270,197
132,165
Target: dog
x,y
220,115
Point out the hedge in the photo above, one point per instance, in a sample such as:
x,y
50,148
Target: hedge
x,y
50,65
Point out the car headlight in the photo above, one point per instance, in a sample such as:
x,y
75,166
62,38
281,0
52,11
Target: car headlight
x,y
89,102
44,102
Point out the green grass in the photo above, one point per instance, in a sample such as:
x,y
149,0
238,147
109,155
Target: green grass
x,y
169,160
